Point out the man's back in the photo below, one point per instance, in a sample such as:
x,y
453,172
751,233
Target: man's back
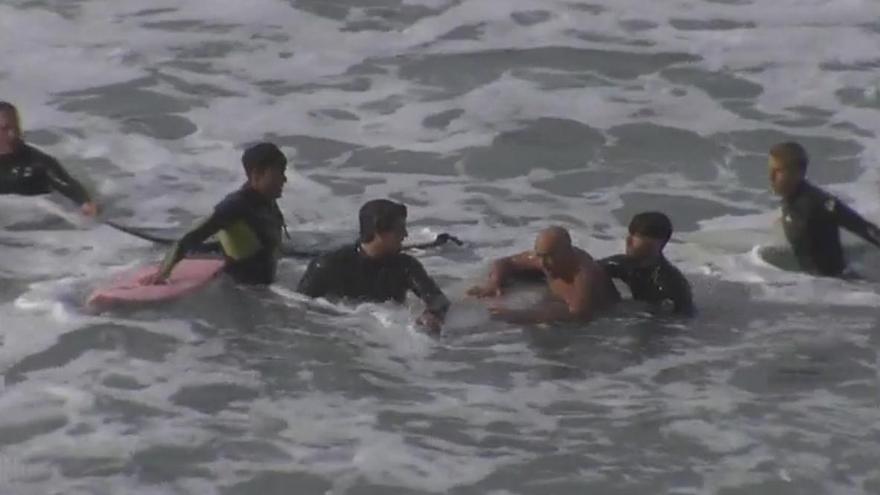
x,y
349,273
657,283
588,279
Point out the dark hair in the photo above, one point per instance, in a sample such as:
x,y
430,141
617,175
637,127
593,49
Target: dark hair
x,y
379,215
262,156
790,154
651,224
5,106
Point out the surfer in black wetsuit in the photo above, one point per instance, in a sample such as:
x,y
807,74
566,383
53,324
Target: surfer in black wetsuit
x,y
649,275
374,269
247,222
811,217
28,171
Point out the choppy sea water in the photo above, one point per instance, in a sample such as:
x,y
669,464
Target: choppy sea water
x,y
490,119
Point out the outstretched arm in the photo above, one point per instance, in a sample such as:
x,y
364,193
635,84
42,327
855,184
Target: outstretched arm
x,y
64,183
423,286
850,220
187,243
615,266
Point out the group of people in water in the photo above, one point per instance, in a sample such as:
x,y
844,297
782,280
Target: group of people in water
x,y
251,228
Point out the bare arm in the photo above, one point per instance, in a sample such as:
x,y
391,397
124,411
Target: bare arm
x,y
502,269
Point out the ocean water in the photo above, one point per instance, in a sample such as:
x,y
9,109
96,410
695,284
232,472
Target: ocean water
x,y
490,119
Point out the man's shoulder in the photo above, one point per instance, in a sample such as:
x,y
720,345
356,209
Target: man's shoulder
x,y
338,255
588,261
34,155
407,259
590,270
232,202
818,198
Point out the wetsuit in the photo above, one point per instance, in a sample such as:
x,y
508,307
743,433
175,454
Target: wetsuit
x,y
658,283
249,227
29,172
812,219
351,274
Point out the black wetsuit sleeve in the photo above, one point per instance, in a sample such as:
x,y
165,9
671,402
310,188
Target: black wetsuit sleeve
x,y
847,218
426,289
223,215
315,282
677,289
63,182
614,266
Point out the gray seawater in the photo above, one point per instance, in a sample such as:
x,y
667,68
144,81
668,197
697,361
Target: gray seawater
x,y
491,119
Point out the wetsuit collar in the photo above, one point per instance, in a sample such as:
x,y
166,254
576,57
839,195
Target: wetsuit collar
x,y
804,185
254,194
659,260
363,254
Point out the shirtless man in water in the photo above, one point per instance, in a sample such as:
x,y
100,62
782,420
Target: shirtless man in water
x,y
579,286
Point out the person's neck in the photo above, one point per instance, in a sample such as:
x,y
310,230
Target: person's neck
x,y
649,260
373,250
8,149
250,187
797,190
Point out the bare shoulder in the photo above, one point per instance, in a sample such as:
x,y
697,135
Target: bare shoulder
x,y
524,256
589,266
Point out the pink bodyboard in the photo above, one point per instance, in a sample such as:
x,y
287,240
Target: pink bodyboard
x,y
189,275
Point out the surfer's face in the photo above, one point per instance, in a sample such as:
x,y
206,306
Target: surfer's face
x,y
392,239
643,247
784,180
269,181
553,257
9,132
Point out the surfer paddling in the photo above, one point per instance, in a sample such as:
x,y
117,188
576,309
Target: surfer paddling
x,y
27,171
643,268
374,269
248,222
579,286
811,217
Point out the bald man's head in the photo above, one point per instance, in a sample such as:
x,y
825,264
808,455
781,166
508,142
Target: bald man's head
x,y
553,247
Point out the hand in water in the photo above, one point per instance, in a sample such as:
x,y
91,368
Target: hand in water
x,y
480,291
430,322
89,209
499,312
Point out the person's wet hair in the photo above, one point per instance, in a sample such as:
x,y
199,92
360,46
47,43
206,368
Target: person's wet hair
x,y
262,156
6,107
653,224
378,216
790,155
